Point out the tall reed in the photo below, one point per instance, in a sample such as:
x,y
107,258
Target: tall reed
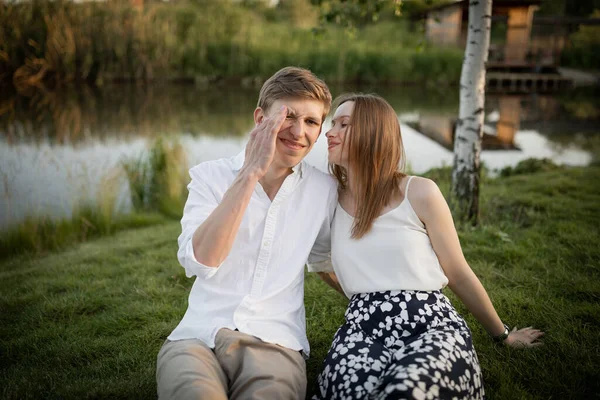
x,y
158,180
53,42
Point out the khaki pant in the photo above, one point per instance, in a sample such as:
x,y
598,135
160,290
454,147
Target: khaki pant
x,y
239,367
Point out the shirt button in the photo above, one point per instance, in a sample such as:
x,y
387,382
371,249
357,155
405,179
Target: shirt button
x,y
266,243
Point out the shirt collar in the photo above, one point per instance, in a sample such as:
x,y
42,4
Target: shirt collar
x,y
238,163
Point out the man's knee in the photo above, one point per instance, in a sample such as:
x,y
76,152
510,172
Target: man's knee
x,y
188,369
271,388
288,385
259,370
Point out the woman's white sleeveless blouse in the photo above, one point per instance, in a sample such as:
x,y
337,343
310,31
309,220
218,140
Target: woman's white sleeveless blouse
x,y
396,254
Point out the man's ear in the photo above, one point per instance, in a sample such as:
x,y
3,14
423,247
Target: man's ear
x,y
259,115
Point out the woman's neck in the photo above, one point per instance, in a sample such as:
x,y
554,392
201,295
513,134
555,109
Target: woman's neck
x,y
351,190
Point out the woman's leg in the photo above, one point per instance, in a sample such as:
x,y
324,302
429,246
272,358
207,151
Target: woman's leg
x,y
439,362
353,366
406,344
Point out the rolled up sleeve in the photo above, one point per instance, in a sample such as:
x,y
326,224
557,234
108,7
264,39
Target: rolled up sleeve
x,y
200,203
321,266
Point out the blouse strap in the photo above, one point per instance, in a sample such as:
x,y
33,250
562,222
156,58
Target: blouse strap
x,y
407,185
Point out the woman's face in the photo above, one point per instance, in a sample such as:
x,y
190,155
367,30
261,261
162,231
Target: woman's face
x,y
337,147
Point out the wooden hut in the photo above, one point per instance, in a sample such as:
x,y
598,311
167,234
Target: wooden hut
x,y
447,25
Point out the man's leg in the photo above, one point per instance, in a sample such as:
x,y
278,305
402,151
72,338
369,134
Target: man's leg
x,y
188,369
259,370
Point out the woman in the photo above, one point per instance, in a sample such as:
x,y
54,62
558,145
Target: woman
x,y
394,247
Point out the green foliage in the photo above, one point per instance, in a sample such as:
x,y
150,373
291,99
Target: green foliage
x,y
88,322
137,172
50,43
529,166
415,7
582,104
584,51
351,14
300,13
158,180
61,41
441,176
579,8
39,235
552,7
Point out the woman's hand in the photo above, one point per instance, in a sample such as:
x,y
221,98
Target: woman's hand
x,y
524,337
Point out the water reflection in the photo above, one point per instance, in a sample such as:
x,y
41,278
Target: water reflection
x,y
77,116
506,116
57,149
499,131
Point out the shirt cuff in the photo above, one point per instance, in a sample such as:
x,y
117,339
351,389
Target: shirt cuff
x,y
321,266
193,267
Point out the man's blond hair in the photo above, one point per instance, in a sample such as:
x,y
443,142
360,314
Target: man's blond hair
x,y
294,83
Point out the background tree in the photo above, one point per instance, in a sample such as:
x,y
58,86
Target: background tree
x,y
469,131
469,126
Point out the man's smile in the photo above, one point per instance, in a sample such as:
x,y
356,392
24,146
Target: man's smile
x,y
292,145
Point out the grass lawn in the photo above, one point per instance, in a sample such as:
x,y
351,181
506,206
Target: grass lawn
x,y
88,322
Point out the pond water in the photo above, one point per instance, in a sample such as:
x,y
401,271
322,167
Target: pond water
x,y
58,150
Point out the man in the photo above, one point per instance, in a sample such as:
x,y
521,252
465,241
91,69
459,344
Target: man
x,y
249,226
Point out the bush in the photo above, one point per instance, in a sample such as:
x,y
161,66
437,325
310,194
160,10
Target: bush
x,y
585,47
529,166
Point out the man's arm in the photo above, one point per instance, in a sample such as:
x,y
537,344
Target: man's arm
x,y
213,239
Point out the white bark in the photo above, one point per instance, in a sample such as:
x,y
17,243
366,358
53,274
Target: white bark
x,y
469,127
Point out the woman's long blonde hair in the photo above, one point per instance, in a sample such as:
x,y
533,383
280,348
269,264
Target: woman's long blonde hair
x,y
375,155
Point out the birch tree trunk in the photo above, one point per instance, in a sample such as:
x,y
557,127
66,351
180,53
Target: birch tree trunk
x,y
469,127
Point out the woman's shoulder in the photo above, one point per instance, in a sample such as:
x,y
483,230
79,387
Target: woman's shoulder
x,y
423,194
420,188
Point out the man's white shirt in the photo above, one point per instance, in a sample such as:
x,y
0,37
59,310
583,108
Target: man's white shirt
x,y
259,288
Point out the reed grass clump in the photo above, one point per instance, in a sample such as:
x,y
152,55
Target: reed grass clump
x,y
158,179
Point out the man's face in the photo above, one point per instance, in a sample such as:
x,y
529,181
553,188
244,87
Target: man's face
x,y
299,132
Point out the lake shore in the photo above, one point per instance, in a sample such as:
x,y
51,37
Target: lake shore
x,y
88,321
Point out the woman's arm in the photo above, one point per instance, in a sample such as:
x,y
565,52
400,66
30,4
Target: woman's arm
x,y
331,279
431,207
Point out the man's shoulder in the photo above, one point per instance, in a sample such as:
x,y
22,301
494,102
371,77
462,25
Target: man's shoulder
x,y
213,168
319,178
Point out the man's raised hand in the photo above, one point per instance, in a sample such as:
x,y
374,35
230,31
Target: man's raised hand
x,y
260,149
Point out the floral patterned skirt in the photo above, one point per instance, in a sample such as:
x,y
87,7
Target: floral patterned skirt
x,y
401,345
